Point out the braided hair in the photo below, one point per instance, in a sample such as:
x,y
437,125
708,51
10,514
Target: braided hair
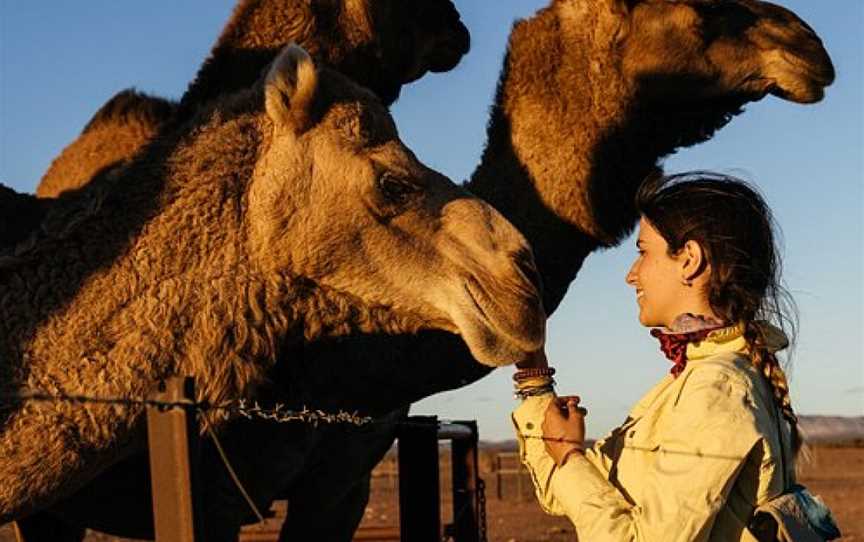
x,y
736,230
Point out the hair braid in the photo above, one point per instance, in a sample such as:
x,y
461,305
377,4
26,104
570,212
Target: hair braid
x,y
767,364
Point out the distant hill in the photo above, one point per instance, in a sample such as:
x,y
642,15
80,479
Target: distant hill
x,y
833,429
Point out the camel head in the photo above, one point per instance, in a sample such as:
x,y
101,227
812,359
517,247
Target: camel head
x,y
689,54
337,198
404,41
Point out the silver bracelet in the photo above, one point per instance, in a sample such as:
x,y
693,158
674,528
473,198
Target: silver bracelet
x,y
534,391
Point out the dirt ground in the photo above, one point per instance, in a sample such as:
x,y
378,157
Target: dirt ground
x,y
836,474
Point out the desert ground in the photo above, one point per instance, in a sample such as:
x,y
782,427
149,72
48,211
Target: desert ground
x,y
834,473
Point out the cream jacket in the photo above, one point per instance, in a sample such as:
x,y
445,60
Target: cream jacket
x,y
695,457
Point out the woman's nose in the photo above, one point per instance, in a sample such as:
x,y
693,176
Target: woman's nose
x,y
630,277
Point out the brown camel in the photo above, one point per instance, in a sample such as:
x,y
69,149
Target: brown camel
x,y
285,212
380,44
593,94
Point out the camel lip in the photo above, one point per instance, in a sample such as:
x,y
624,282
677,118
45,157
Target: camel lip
x,y
506,332
816,68
476,303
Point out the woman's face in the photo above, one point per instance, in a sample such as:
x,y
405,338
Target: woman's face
x,y
657,278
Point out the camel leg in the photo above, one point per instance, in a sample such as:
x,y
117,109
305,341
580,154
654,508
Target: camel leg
x,y
42,527
330,521
328,501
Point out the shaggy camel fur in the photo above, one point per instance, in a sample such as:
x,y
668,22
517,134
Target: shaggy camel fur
x,y
287,212
593,94
380,44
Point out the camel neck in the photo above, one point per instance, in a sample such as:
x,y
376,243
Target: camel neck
x,y
562,162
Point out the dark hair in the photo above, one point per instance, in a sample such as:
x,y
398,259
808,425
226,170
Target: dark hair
x,y
736,230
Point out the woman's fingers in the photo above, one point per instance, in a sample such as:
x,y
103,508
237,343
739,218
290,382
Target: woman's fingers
x,y
564,399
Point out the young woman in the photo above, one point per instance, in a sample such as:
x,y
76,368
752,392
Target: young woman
x,y
717,437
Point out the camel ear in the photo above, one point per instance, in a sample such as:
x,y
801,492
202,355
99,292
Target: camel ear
x,y
618,6
289,91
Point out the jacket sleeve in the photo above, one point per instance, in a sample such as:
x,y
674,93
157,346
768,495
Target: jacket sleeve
x,y
691,465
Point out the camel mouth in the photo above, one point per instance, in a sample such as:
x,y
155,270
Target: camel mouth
x,y
451,50
497,333
803,76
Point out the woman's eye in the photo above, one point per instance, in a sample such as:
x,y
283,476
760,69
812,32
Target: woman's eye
x,y
395,189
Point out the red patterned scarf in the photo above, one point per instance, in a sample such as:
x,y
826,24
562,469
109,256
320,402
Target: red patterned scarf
x,y
686,329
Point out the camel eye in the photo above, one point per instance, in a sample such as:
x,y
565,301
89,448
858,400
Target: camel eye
x,y
396,190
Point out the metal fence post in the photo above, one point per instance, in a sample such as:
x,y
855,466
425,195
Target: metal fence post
x,y
173,444
465,476
419,492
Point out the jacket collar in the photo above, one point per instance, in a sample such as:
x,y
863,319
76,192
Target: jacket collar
x,y
731,339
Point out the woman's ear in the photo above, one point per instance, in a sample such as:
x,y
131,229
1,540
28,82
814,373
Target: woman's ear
x,y
693,261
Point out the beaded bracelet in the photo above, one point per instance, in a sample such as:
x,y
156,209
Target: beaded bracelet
x,y
531,372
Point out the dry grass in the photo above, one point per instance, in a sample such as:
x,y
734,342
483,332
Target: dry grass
x,y
836,474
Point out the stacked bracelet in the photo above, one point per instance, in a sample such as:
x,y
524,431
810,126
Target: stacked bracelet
x,y
524,374
533,382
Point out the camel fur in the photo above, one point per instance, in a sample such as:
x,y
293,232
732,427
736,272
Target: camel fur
x,y
286,212
380,44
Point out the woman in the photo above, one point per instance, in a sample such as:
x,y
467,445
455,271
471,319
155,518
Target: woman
x,y
717,437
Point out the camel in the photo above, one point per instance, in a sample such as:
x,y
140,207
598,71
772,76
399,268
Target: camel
x,y
282,213
593,94
380,44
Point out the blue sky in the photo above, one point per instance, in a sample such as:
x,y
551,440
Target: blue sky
x,y
59,61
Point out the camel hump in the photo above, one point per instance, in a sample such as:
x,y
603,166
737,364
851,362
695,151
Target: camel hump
x,y
131,106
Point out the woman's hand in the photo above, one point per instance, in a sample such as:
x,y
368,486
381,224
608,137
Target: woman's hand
x,y
564,428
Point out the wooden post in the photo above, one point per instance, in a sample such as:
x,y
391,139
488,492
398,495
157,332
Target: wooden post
x,y
172,437
519,479
465,476
498,490
419,493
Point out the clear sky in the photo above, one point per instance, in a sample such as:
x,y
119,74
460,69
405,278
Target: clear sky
x,y
60,61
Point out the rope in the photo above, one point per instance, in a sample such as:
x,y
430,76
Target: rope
x,y
231,472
